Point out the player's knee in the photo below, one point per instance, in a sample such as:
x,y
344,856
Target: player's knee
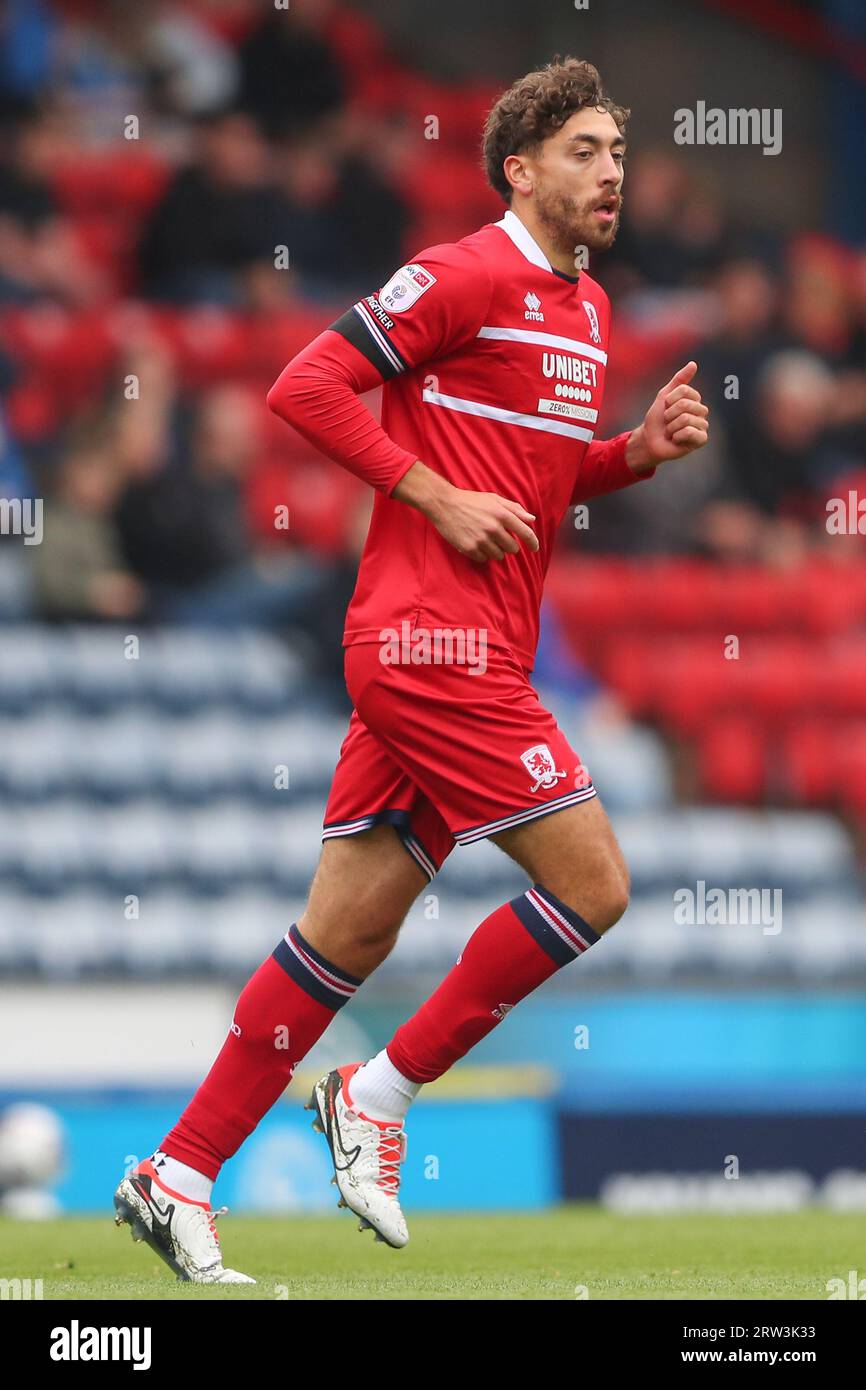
x,y
613,889
615,901
361,940
378,933
601,898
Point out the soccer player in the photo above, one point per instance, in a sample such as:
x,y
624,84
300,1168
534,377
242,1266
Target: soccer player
x,y
493,352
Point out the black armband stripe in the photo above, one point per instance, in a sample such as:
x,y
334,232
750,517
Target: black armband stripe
x,y
359,327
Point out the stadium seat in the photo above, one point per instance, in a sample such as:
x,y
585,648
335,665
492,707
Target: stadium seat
x,y
806,761
733,759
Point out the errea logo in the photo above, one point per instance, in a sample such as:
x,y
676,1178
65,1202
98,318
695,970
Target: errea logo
x,y
533,305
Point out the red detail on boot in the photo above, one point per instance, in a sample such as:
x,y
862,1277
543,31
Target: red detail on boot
x,y
146,1169
392,1145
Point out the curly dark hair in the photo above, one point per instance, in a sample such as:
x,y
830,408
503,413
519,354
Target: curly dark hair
x,y
535,107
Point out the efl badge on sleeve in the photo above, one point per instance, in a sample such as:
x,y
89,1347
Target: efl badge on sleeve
x,y
404,288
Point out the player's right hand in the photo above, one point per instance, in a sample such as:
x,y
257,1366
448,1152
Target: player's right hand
x,y
482,525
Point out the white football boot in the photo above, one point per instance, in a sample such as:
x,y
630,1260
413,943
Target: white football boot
x,y
181,1232
366,1155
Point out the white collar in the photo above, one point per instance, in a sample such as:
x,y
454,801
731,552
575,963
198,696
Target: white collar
x,y
524,240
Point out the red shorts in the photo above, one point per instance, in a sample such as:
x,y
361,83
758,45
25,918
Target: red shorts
x,y
447,756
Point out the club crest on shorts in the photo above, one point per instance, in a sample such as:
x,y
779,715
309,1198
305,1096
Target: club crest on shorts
x,y
540,764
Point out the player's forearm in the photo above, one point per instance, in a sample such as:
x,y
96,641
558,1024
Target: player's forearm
x,y
317,394
423,489
611,464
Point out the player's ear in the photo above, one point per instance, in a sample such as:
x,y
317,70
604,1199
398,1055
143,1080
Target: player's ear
x,y
517,172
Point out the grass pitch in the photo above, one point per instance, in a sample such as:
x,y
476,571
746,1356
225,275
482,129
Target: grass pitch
x,y
550,1255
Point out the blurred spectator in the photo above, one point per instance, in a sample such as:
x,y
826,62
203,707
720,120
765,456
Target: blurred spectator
x,y
336,199
98,73
290,77
747,332
27,32
817,300
78,569
113,59
673,232
39,255
184,529
786,453
183,525
221,214
193,70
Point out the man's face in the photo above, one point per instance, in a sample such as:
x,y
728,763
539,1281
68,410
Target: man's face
x,y
577,181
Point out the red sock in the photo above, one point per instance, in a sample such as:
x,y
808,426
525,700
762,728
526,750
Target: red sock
x,y
283,1010
515,949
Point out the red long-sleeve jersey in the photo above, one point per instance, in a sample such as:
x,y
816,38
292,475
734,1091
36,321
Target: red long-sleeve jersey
x,y
493,365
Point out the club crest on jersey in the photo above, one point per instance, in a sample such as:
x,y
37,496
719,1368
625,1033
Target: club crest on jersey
x,y
541,764
592,315
405,287
533,305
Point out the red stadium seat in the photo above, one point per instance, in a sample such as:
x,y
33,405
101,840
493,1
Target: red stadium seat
x,y
828,598
733,759
840,676
695,683
777,675
126,184
746,598
807,761
849,768
321,499
628,667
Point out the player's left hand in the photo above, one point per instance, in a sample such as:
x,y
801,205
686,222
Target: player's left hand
x,y
676,423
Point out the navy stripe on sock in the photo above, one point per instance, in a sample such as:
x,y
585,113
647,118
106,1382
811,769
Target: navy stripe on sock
x,y
558,930
320,979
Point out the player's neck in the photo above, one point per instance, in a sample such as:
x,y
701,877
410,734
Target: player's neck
x,y
560,260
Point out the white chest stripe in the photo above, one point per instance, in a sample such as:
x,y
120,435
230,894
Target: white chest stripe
x,y
508,417
548,340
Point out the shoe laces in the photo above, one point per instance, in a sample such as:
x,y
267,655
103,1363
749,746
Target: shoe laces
x,y
392,1151
210,1217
